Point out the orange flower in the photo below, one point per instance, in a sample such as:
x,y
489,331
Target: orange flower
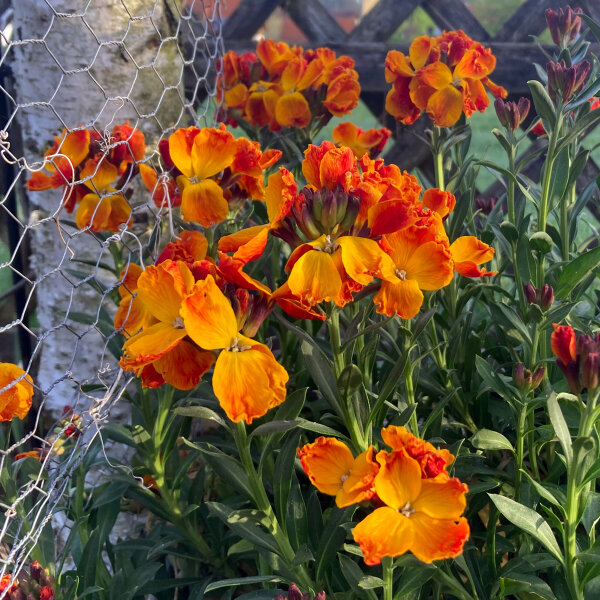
x,y
420,515
329,269
190,247
563,343
333,470
422,262
247,380
101,210
327,166
160,290
468,252
35,454
261,103
16,392
200,154
433,462
444,88
359,141
342,93
8,583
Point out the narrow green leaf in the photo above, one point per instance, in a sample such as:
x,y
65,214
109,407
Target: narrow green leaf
x,y
274,427
560,427
223,583
529,521
576,271
199,412
321,372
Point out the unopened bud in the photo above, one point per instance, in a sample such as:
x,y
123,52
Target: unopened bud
x,y
563,81
329,214
530,293
320,596
546,297
523,377
571,372
349,218
511,114
294,593
537,377
46,593
589,374
564,24
540,241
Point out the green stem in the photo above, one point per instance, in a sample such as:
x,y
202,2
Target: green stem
x,y
413,424
387,564
520,449
439,170
510,190
550,158
518,281
263,503
347,410
564,223
570,538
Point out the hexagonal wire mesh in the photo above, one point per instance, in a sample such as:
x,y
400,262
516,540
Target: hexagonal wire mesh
x,y
74,66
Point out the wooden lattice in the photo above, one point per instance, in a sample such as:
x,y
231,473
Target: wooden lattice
x,y
368,45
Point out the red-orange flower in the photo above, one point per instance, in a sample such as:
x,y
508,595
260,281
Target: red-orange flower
x,y
422,516
361,141
163,188
129,146
563,343
333,470
16,392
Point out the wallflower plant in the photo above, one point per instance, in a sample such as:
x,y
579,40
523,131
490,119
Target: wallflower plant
x,y
346,381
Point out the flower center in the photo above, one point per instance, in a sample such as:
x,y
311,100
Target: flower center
x,y
236,346
194,179
406,510
345,477
178,323
330,246
401,273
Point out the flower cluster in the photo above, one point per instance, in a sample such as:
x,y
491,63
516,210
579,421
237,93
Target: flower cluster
x,y
16,392
283,86
91,166
355,221
38,584
418,507
178,314
577,356
444,76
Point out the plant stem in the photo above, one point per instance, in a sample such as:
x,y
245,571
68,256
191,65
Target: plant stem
x,y
413,424
348,415
521,426
387,564
510,190
263,504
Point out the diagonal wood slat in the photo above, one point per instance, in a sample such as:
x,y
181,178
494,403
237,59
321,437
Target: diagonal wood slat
x,y
248,18
453,14
383,20
315,21
528,20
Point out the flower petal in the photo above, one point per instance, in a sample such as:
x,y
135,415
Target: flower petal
x,y
149,345
358,485
16,400
314,278
441,499
184,366
250,382
212,151
204,203
468,252
445,106
292,110
208,317
180,149
247,244
384,532
364,259
435,539
403,298
399,479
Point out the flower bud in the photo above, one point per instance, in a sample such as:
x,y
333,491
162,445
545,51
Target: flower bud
x,y
546,297
564,24
530,293
563,81
330,208
46,593
349,218
523,377
35,570
511,114
537,377
589,373
541,242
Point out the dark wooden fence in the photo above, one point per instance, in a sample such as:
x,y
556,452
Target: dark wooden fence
x,y
368,45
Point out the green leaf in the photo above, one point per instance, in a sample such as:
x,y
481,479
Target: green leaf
x,y
282,478
544,106
560,427
274,427
529,521
321,372
223,583
353,575
332,538
576,271
199,412
486,439
579,127
245,524
594,27
525,586
321,429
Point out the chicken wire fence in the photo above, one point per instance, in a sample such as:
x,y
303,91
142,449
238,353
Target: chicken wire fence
x,y
74,65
